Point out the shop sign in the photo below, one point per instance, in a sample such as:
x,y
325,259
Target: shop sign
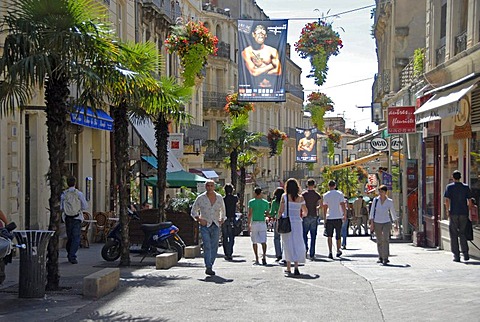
x,y
401,119
379,144
396,143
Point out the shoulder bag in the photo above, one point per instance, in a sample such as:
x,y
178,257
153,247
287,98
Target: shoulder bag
x,y
372,223
283,224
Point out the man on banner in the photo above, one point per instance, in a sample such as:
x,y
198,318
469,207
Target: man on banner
x,y
306,145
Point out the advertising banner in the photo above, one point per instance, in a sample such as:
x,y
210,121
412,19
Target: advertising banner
x,y
306,145
401,119
261,62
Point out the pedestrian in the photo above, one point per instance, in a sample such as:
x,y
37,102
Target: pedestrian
x,y
361,215
293,206
209,211
228,227
382,214
457,204
274,214
258,209
3,219
72,205
345,224
310,222
335,214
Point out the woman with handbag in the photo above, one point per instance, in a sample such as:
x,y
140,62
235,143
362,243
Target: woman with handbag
x,y
382,214
274,214
293,207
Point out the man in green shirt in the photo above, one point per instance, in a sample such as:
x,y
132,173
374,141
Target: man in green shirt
x,y
257,211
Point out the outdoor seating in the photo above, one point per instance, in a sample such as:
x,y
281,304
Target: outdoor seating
x,y
101,226
84,230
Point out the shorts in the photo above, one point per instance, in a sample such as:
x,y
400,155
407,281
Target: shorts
x,y
334,224
259,232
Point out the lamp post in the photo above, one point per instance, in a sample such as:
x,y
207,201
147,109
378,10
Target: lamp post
x,y
197,147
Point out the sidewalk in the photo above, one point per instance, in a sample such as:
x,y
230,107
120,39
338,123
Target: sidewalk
x,y
418,284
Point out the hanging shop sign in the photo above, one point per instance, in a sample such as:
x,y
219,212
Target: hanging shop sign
x,y
379,144
401,119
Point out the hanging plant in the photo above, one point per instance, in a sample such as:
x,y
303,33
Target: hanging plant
x,y
334,136
236,108
318,42
193,42
318,104
275,139
418,61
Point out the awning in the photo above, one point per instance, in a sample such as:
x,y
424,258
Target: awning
x,y
178,179
366,137
99,119
356,162
444,103
207,173
173,164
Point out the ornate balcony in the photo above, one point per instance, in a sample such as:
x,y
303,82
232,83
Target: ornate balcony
x,y
294,90
223,50
169,10
406,75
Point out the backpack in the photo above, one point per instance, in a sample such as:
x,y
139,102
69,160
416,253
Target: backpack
x,y
72,206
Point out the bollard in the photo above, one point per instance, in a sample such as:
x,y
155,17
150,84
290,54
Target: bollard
x,y
33,271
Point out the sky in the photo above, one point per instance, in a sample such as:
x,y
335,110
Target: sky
x,y
357,59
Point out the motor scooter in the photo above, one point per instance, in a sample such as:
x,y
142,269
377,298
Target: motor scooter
x,y
6,247
158,238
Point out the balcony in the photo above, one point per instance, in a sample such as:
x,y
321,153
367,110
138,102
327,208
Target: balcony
x,y
440,55
214,100
170,10
223,50
407,75
461,42
215,150
195,132
296,91
211,8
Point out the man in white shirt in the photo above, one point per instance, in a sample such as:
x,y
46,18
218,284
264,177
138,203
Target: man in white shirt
x,y
334,213
209,211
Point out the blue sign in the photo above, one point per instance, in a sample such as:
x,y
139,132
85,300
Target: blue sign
x,y
387,180
99,119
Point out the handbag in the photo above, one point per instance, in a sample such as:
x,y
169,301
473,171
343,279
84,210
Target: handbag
x,y
469,230
372,223
283,225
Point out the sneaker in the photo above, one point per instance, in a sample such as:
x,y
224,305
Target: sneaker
x,y
330,256
73,261
339,253
456,259
279,258
344,246
385,262
209,271
466,256
379,261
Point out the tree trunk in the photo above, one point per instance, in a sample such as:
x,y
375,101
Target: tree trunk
x,y
233,167
161,136
56,95
241,192
122,176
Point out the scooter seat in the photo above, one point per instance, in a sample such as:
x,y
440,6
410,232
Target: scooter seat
x,y
156,227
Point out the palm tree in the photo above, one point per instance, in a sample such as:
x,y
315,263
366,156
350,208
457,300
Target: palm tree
x,y
52,44
238,140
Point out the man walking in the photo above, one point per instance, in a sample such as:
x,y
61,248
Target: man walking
x,y
228,227
334,213
209,211
310,222
457,203
72,204
258,209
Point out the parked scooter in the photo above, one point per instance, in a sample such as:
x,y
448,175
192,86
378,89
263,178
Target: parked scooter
x,y
158,238
6,247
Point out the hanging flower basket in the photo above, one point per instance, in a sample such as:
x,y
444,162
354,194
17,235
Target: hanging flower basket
x,y
236,108
318,104
275,139
193,42
334,136
318,41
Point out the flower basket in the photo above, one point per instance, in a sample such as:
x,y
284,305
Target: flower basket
x,y
318,104
193,42
236,108
334,136
318,41
275,139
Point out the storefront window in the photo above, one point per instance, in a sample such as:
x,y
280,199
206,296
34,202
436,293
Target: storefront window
x,y
454,156
430,178
475,166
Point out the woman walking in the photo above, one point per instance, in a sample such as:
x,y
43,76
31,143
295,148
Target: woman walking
x,y
382,214
274,214
293,206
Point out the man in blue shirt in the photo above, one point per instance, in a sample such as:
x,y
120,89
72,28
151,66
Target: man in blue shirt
x,y
457,203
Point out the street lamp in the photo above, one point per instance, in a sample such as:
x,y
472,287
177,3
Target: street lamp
x,y
197,147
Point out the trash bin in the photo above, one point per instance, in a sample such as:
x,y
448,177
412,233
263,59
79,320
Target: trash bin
x,y
33,271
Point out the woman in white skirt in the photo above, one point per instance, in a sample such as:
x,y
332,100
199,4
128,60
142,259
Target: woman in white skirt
x,y
293,205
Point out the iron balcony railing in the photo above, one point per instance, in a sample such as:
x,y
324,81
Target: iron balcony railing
x,y
214,100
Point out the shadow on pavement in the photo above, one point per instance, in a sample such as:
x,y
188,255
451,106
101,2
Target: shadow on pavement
x,y
363,255
121,316
150,280
472,263
216,279
303,276
397,265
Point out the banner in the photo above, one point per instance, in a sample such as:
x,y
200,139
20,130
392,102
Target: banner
x,y
306,145
401,119
261,62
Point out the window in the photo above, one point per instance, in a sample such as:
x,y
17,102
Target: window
x,y
443,23
120,20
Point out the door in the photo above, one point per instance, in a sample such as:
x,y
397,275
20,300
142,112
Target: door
x,y
432,205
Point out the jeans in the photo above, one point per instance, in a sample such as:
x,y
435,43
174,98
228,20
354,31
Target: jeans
x,y
457,230
73,227
276,241
344,232
310,224
382,232
228,236
210,237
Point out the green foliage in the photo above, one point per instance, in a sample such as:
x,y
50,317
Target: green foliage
x,y
418,61
318,113
183,202
319,68
347,180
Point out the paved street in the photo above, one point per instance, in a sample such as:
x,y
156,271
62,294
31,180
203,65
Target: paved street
x,y
419,285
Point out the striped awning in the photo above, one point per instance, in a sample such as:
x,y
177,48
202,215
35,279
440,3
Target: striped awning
x,y
358,161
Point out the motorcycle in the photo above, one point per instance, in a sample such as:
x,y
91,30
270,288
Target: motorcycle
x,y
158,238
6,247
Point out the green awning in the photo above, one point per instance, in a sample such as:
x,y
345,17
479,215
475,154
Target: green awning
x,y
178,179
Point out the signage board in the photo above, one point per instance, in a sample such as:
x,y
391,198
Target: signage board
x,y
379,144
401,119
396,143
